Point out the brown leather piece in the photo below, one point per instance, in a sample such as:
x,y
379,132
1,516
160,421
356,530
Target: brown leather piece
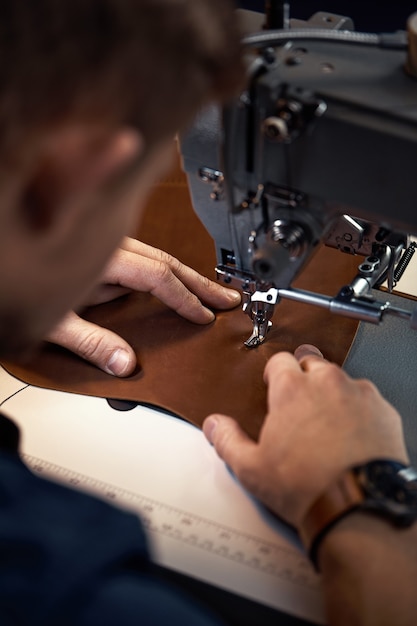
x,y
189,369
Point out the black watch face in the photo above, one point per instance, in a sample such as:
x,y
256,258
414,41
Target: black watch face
x,y
391,488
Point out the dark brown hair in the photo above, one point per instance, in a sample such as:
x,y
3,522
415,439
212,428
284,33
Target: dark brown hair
x,y
151,63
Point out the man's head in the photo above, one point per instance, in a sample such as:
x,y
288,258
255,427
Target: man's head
x,y
91,95
146,63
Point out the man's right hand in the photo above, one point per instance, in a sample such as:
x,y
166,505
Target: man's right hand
x,y
319,423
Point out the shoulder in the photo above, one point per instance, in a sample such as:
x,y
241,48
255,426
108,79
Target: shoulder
x,y
56,542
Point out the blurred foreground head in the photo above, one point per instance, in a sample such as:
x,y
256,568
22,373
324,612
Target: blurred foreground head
x,y
92,93
148,63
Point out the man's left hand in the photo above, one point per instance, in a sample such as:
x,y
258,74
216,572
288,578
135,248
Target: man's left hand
x,y
135,266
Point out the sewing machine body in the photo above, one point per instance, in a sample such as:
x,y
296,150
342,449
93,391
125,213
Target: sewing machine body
x,y
320,148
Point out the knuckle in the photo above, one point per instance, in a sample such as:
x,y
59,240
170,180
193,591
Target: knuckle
x,y
174,264
209,285
368,392
276,362
163,272
332,373
366,386
167,260
92,346
287,379
248,477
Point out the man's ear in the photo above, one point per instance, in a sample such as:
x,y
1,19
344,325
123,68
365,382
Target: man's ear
x,y
70,164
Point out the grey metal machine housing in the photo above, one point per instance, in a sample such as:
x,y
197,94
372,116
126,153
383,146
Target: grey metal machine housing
x,y
321,147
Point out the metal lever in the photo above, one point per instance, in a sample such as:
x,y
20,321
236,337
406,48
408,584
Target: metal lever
x,y
365,309
260,307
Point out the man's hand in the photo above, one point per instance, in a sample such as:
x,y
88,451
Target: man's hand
x,y
139,267
319,422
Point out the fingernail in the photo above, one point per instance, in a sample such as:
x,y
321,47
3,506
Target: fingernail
x,y
234,296
209,426
209,315
119,362
307,349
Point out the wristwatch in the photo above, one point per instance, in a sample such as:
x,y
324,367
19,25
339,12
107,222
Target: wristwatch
x,y
381,487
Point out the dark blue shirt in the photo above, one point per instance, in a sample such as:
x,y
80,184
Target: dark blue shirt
x,y
67,558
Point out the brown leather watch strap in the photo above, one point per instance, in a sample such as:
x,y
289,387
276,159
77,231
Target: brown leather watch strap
x,y
340,498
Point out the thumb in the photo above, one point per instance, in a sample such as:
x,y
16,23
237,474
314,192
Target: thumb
x,y
231,443
95,344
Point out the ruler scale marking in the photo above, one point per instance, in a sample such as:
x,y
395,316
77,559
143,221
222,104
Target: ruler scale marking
x,y
193,530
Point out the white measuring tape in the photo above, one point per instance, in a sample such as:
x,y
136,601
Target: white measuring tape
x,y
197,532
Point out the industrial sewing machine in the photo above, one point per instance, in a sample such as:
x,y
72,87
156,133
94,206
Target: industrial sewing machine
x,y
320,148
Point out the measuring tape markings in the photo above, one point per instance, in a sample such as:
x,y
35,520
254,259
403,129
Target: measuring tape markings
x,y
161,518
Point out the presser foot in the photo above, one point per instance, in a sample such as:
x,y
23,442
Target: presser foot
x,y
260,313
258,334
